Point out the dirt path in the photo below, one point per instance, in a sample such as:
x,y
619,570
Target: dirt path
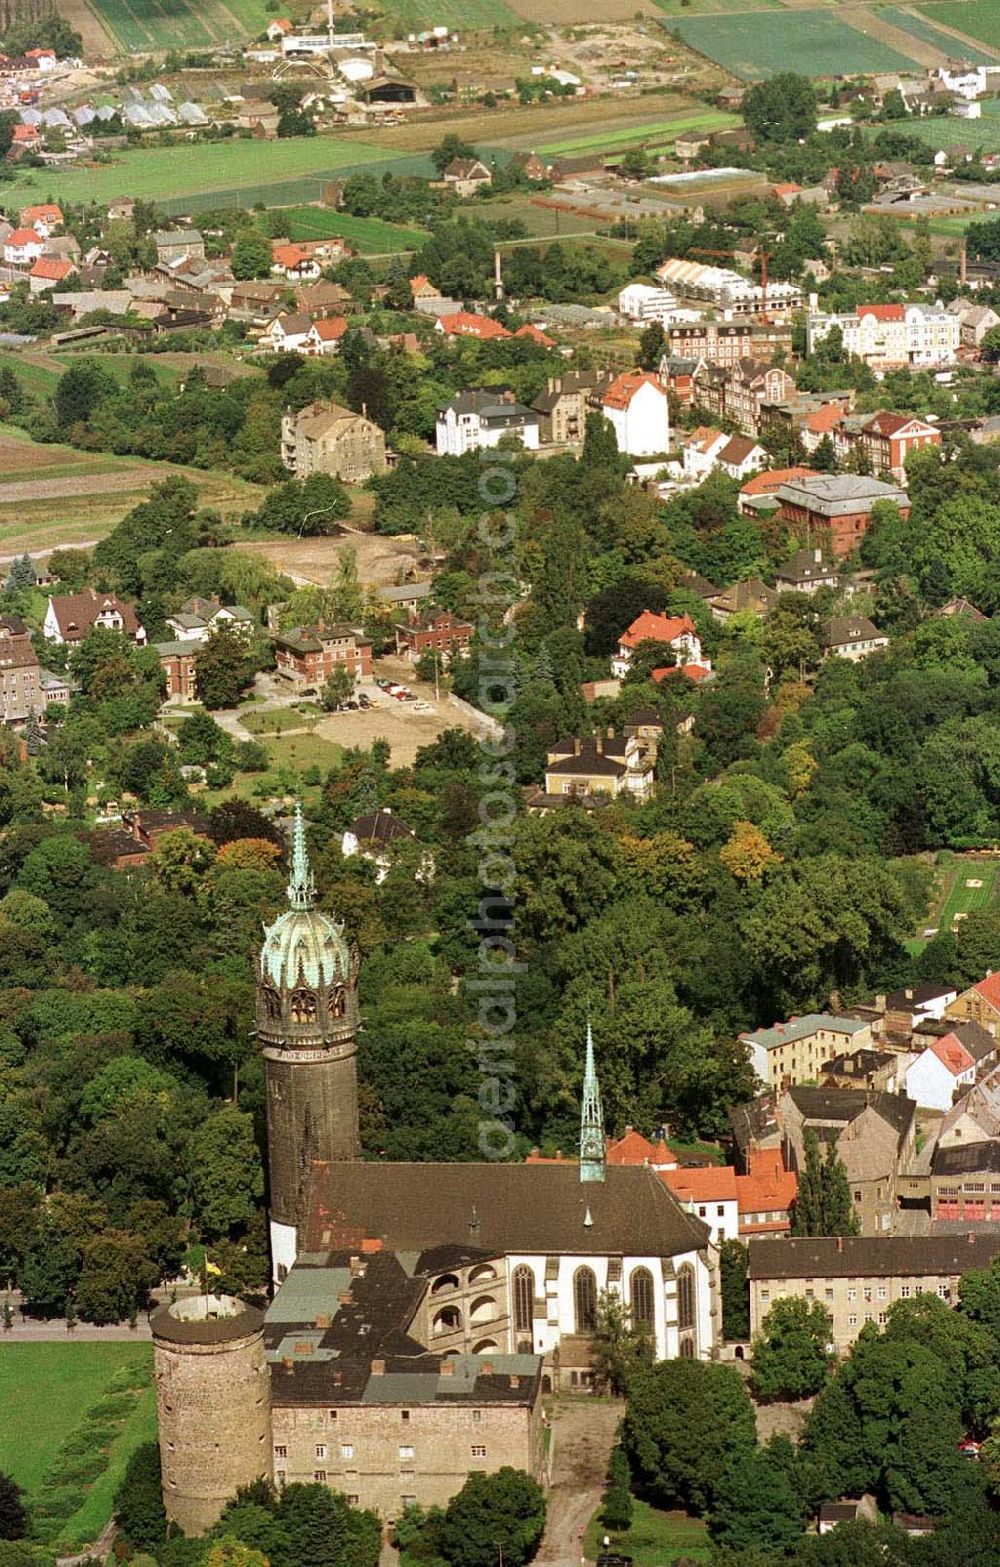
x,y
583,1432
867,21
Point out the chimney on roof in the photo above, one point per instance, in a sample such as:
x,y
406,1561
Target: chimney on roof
x,y
357,1268
486,1369
576,745
972,1237
288,1363
515,1382
344,1298
447,1368
840,1243
378,1368
322,1319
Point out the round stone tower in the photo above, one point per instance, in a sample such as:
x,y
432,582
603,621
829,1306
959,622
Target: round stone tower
x,y
213,1405
307,1022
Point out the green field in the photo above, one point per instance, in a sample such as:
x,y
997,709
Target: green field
x,y
976,18
145,25
654,1539
944,131
957,898
912,23
460,15
652,133
372,236
712,7
756,44
238,168
58,1384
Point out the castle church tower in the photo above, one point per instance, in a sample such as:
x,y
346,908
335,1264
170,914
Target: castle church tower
x,y
307,1022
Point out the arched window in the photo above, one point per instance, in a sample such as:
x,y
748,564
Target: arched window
x,y
685,1297
303,1006
641,1296
524,1296
338,1002
585,1300
447,1320
484,1346
687,1348
272,1004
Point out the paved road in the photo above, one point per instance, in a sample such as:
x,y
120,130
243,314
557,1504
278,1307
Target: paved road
x,y
583,1433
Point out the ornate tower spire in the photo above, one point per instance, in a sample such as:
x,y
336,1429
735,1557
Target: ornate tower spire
x,y
591,1120
301,884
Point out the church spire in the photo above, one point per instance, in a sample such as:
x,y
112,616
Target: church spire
x,y
591,1120
301,885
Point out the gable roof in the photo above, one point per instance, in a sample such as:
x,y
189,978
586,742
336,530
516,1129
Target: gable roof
x,y
842,630
330,329
24,237
710,1183
738,449
869,1256
76,613
766,483
989,989
952,1054
536,335
624,387
882,312
635,1149
648,627
51,269
769,1187
463,323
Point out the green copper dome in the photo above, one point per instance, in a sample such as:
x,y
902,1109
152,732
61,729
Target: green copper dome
x,y
303,946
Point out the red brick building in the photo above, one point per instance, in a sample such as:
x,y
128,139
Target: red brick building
x,y
441,633
835,508
308,655
888,439
177,662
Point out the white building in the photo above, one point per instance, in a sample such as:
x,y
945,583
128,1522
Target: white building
x,y
635,405
644,302
481,418
852,637
939,1073
726,289
711,1195
22,247
891,337
742,456
676,632
701,452
287,334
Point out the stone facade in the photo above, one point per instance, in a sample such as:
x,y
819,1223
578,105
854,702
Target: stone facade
x,y
326,438
212,1405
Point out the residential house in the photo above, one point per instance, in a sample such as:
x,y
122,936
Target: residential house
x,y
677,375
481,418
979,1004
877,1069
635,405
408,597
942,1069
748,387
198,617
307,656
832,1514
177,660
974,321
906,1009
148,826
874,1136
437,632
295,262
725,342
23,247
765,1194
20,673
466,176
805,572
853,637
700,452
465,323
46,218
49,272
741,456
766,486
176,245
324,437
421,287
121,209
858,1277
370,836
709,1192
753,597
836,507
794,1052
322,299
287,333
70,616
891,337
634,1149
961,606
677,632
975,1117
965,1184
325,336
600,765
562,408
887,439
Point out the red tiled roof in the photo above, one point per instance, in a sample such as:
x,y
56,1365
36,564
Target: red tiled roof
x,y
769,1187
713,1183
536,335
891,424
287,255
464,324
767,483
695,672
52,269
989,989
330,328
883,312
624,387
648,627
46,209
952,1053
633,1148
23,237
26,133
790,189
822,420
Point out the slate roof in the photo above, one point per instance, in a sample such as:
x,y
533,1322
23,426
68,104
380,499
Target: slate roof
x,y
380,827
963,1158
869,1256
499,1208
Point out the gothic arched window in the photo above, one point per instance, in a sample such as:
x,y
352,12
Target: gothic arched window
x,y
272,1004
303,1006
641,1296
524,1295
585,1300
685,1297
337,1002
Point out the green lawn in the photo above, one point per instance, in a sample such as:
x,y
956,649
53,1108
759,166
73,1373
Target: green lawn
x,y
961,899
301,751
58,1384
660,131
372,236
655,1538
238,167
277,722
977,18
763,43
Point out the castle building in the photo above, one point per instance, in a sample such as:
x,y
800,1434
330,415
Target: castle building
x,y
423,1311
